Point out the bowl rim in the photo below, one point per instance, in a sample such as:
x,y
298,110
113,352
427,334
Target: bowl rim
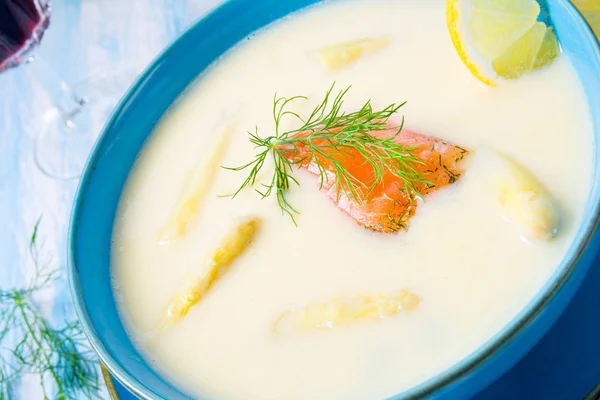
x,y
444,379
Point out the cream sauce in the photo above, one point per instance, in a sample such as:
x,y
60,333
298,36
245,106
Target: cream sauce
x,y
469,266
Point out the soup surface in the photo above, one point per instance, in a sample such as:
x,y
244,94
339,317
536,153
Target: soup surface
x,y
470,269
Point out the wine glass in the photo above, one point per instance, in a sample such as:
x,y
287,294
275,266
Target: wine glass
x,y
67,129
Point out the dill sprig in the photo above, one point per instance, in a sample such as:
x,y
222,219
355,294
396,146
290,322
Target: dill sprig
x,y
59,356
324,137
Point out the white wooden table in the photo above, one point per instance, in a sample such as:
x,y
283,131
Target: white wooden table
x,y
83,34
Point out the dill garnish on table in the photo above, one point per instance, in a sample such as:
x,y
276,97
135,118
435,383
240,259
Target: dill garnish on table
x,y
327,134
58,356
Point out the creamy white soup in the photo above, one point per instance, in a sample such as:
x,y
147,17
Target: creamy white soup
x,y
325,308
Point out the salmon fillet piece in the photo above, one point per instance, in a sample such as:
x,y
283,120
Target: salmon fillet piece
x,y
388,206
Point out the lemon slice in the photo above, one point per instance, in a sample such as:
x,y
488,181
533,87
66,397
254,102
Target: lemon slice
x,y
591,12
532,51
500,38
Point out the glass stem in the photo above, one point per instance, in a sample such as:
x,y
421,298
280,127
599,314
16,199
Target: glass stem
x,y
65,99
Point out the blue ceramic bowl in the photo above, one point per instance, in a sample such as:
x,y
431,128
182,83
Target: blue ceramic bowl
x,y
161,84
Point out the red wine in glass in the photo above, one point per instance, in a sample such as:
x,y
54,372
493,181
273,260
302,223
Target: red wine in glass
x,y
22,25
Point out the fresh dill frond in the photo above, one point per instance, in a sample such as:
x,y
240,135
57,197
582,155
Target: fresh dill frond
x,y
59,356
327,134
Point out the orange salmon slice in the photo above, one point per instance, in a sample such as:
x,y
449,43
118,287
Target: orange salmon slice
x,y
387,206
